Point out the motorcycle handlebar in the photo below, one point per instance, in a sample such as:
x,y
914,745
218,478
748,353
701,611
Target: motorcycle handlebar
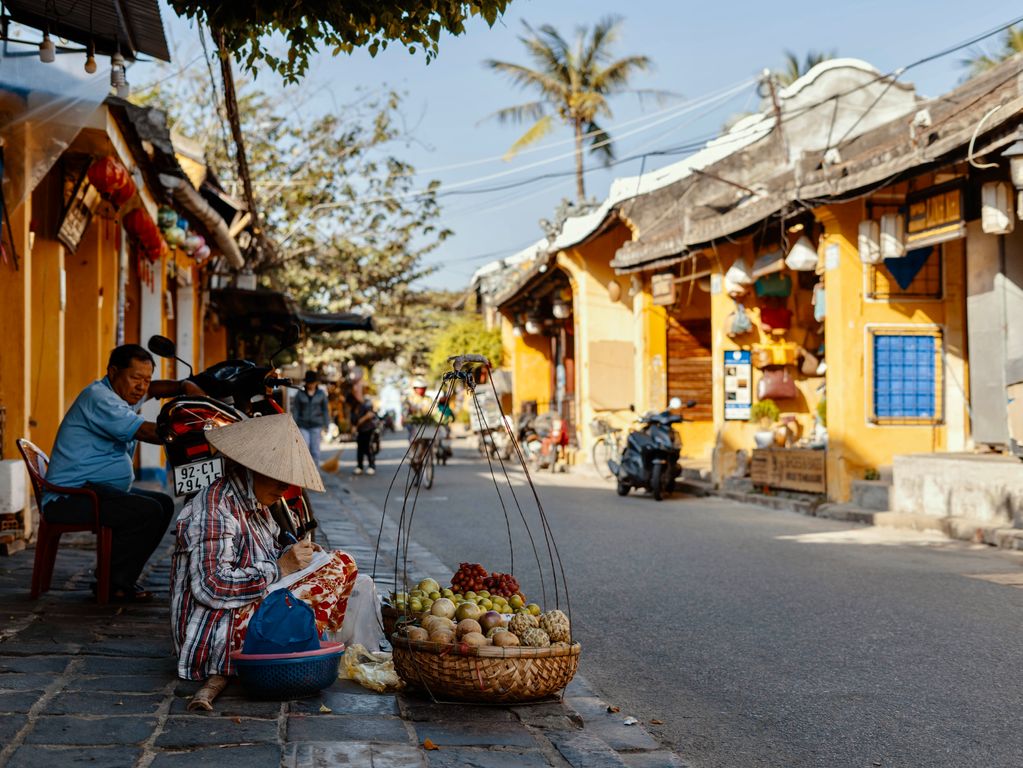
x,y
272,382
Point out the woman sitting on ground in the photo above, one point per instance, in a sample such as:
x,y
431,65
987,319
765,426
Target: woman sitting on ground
x,y
227,552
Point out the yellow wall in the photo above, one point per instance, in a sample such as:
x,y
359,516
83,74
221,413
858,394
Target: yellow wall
x,y
82,319
855,444
16,355
598,319
531,372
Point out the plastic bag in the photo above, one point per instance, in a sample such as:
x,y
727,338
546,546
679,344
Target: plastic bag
x,y
370,670
363,624
738,322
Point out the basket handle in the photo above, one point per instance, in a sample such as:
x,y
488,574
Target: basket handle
x,y
464,362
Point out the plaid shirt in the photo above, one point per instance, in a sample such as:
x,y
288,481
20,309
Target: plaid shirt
x,y
226,556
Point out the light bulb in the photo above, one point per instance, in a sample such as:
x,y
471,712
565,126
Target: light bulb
x,y
90,59
47,50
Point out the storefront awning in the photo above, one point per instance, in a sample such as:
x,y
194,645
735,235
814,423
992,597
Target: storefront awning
x,y
263,311
129,26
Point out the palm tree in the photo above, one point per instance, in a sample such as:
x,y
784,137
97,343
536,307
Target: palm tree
x,y
574,83
1012,43
794,69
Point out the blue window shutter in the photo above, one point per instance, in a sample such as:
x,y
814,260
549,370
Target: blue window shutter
x,y
904,376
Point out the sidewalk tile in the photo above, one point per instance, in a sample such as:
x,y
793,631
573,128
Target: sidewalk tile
x,y
658,759
475,735
105,665
423,710
157,648
311,728
583,750
10,725
18,701
355,754
485,758
119,683
16,681
194,731
255,756
348,704
94,757
231,706
105,731
103,703
612,727
34,664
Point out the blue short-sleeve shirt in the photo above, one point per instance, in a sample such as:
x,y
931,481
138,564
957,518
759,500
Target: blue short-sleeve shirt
x,y
96,441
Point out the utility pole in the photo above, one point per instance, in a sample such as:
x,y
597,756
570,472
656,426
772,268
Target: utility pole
x,y
768,79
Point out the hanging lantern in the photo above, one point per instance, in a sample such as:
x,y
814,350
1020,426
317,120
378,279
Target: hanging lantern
x,y
192,242
167,217
123,194
201,253
174,235
108,175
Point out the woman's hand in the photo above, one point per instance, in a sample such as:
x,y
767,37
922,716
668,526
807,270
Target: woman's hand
x,y
296,558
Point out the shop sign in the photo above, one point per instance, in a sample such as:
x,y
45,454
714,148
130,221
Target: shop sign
x,y
935,217
78,213
792,469
738,384
662,288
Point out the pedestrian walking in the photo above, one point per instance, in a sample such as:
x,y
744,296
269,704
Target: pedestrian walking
x,y
311,413
364,419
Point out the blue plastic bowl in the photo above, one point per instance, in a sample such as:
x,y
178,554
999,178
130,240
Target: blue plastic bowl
x,y
289,675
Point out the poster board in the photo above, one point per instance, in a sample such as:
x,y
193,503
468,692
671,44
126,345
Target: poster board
x,y
78,213
738,370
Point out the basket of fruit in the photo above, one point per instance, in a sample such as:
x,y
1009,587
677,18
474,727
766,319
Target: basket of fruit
x,y
487,645
480,639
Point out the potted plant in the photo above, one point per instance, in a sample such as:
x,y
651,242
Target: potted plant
x,y
764,413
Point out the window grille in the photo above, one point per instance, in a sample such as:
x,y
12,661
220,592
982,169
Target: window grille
x,y
906,376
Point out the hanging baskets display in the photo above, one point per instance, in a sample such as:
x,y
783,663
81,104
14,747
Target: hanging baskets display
x,y
481,639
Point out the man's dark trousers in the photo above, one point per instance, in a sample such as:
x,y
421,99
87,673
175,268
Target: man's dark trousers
x,y
138,518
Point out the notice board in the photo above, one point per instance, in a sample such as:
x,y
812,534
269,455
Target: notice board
x,y
791,469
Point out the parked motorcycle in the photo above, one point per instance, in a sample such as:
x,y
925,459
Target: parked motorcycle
x,y
235,390
650,457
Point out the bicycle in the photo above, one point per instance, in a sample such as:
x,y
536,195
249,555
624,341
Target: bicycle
x,y
607,446
421,462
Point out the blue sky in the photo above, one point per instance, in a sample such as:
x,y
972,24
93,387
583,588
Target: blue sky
x,y
698,49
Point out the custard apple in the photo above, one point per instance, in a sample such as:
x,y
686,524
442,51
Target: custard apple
x,y
535,638
555,624
520,622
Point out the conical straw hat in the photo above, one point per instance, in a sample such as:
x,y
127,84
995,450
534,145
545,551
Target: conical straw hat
x,y
271,446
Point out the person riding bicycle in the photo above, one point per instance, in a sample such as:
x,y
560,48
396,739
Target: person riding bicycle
x,y
415,408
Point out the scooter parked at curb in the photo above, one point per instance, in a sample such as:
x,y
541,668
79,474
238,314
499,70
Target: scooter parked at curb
x,y
235,390
650,457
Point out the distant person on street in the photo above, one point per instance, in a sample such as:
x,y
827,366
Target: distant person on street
x,y
94,449
415,408
364,420
311,413
227,553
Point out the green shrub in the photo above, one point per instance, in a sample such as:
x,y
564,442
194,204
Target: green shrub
x,y
764,409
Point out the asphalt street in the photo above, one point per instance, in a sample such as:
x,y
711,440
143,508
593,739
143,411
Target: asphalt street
x,y
756,637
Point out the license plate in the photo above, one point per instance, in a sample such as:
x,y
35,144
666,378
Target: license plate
x,y
189,478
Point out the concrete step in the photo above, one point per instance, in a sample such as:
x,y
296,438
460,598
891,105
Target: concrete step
x,y
849,513
872,494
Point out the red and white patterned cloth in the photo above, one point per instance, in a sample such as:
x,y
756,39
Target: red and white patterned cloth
x,y
326,590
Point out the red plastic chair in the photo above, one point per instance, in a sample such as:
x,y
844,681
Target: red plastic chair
x,y
48,536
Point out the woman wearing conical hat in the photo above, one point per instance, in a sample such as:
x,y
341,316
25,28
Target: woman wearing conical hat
x,y
227,553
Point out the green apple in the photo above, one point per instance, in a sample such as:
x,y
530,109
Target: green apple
x,y
534,609
516,601
428,586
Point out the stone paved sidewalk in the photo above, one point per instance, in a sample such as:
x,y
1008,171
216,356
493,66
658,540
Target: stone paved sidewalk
x,y
82,684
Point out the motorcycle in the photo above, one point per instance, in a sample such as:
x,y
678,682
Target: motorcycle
x,y
541,437
235,390
650,457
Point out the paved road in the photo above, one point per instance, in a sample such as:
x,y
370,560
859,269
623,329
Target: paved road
x,y
761,638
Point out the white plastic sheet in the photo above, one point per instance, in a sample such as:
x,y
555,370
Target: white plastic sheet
x,y
42,109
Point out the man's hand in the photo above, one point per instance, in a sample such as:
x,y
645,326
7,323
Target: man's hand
x,y
162,388
296,558
191,389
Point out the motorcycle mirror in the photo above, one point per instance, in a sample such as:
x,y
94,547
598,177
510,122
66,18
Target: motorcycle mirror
x,y
291,336
161,346
675,403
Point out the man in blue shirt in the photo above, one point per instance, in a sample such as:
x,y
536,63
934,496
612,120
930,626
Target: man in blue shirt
x,y
94,449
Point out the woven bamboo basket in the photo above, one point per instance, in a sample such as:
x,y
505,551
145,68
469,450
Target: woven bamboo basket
x,y
486,673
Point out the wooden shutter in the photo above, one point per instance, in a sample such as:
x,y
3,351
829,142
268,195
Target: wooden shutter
x,y
690,365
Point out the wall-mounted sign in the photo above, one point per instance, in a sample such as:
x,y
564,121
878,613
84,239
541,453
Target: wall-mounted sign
x,y
78,213
738,384
935,217
662,288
